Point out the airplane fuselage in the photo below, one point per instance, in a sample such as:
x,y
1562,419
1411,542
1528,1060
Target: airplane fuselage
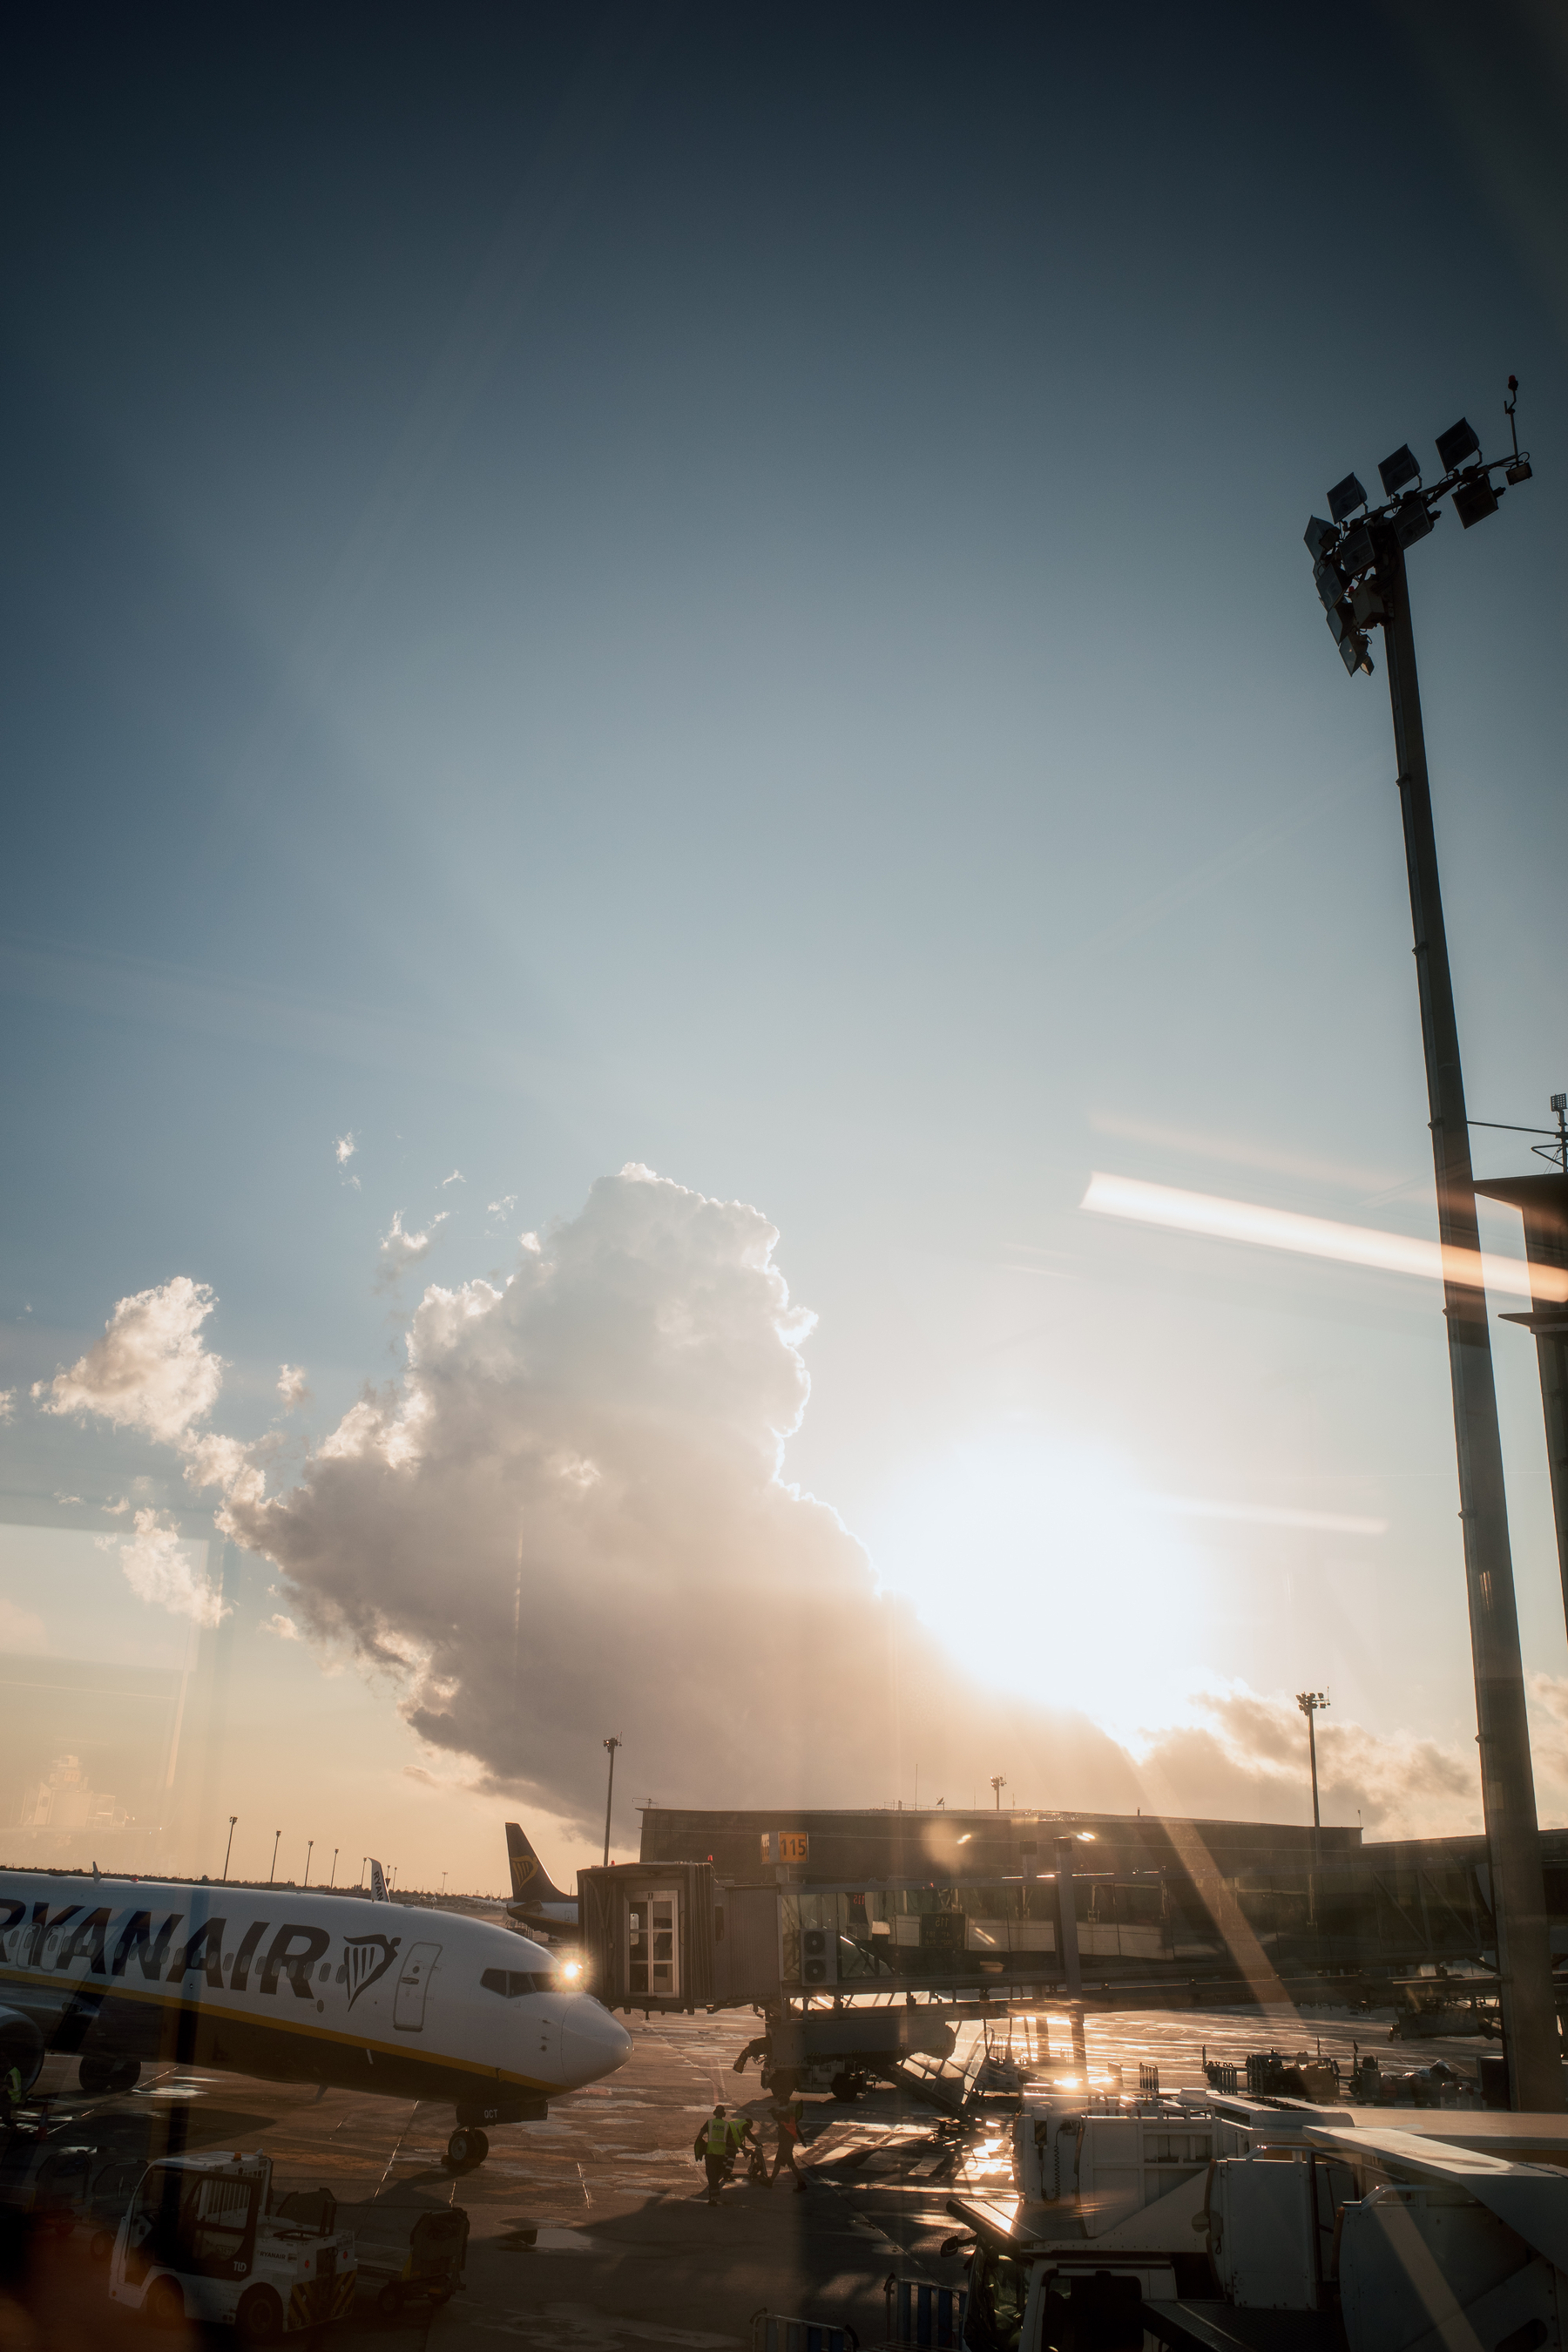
x,y
299,1987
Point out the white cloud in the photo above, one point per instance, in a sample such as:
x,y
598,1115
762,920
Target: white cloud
x,y
400,1249
503,1207
162,1570
7,1403
345,1148
292,1385
225,1463
284,1627
456,1177
150,1370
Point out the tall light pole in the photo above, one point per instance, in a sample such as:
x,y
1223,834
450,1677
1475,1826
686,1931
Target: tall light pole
x,y
309,1850
609,1796
1309,1702
333,1880
229,1847
998,1782
1359,567
273,1871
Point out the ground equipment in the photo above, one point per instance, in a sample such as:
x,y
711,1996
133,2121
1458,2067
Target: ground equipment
x,y
408,2254
199,2241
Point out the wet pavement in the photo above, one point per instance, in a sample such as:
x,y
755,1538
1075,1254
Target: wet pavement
x,y
592,2231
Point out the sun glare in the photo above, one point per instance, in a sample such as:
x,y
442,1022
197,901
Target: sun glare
x,y
1077,1592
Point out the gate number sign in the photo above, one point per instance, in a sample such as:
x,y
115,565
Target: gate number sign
x,y
786,1845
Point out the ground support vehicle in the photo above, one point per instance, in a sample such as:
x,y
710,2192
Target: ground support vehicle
x,y
200,2241
408,2254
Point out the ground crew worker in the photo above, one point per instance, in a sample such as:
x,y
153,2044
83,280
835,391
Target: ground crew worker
x,y
10,2092
786,2126
716,2144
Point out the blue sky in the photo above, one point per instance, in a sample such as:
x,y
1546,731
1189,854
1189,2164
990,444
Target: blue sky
x,y
727,592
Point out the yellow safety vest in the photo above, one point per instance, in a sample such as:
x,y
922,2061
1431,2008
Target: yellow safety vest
x,y
719,2130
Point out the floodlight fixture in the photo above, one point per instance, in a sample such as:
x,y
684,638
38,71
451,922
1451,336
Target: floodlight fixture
x,y
1346,496
1474,500
1459,443
1318,535
1412,520
1330,585
1402,468
1354,654
1358,551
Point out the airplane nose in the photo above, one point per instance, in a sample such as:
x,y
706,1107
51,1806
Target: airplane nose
x,y
591,2042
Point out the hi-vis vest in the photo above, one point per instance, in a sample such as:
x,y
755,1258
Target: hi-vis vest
x,y
719,2130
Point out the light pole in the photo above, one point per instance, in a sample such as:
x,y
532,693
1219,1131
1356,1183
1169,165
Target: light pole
x,y
1359,567
1309,1702
309,1850
363,1859
273,1871
998,1782
229,1847
609,1797
333,1880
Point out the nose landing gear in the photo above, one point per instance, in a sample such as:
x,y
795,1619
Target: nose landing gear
x,y
466,2150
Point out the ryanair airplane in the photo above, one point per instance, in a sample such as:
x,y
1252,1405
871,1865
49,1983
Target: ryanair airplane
x,y
349,1991
537,1901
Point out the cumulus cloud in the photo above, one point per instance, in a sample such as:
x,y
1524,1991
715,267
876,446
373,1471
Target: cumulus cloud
x,y
400,1249
149,1370
292,1385
570,1515
571,1501
163,1571
7,1403
345,1148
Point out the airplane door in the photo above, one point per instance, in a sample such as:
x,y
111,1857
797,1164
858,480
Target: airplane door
x,y
408,2007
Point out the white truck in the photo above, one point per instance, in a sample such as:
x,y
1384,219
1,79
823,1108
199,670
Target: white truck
x,y
200,2241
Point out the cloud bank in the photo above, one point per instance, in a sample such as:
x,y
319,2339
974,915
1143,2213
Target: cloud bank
x,y
569,1518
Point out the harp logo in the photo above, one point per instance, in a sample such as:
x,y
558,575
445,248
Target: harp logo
x,y
368,1959
524,1869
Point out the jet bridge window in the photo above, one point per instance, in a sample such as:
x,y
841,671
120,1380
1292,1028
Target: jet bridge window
x,y
512,1983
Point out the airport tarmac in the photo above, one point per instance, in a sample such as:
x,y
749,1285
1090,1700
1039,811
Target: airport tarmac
x,y
592,2231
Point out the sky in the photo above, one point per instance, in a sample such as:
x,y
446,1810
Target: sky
x,y
660,684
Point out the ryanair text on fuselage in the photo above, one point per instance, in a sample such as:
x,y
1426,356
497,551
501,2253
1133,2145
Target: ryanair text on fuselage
x,y
294,1987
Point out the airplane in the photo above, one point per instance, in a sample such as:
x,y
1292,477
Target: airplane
x,y
537,1901
294,1987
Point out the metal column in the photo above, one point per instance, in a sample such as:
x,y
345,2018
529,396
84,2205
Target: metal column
x,y
1508,1784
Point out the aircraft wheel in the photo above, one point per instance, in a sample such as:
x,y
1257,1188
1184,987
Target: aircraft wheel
x,y
259,2319
460,2149
165,2305
481,2147
124,2075
94,2076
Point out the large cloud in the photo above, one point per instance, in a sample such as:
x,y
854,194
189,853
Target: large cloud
x,y
568,1519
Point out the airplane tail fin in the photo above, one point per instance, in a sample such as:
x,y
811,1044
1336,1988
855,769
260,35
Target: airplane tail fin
x,y
378,1893
531,1881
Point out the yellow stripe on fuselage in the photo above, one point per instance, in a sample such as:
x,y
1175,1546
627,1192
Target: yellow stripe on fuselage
x,y
217,2012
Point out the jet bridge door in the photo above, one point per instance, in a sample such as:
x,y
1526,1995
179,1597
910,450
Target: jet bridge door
x,y
408,2006
653,1941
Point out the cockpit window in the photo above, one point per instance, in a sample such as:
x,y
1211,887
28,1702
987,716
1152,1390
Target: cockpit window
x,y
512,1983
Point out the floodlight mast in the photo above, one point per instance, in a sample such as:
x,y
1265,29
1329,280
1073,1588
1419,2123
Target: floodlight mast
x,y
1375,547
